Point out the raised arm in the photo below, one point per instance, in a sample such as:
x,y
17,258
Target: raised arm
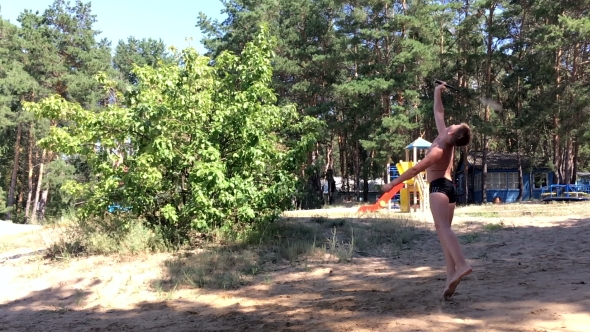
x,y
439,111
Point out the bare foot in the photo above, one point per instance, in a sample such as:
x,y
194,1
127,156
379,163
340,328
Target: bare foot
x,y
450,290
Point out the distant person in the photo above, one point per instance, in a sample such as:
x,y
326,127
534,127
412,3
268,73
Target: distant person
x,y
443,195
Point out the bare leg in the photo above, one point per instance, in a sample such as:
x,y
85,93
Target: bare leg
x,y
457,267
451,268
437,214
451,213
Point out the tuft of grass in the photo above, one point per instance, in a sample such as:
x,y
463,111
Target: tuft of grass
x,y
328,222
219,269
339,222
79,296
483,214
385,234
482,255
61,309
319,219
343,251
114,235
469,237
494,227
165,289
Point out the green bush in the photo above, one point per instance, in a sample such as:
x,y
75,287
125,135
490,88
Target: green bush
x,y
193,147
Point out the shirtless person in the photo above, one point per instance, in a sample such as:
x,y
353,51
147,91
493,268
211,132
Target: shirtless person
x,y
443,196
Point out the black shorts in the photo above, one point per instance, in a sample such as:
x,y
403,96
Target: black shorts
x,y
445,186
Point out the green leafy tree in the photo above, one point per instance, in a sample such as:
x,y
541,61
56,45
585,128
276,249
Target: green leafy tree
x,y
190,147
305,68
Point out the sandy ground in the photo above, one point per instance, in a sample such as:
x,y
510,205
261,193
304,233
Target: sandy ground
x,y
8,228
531,275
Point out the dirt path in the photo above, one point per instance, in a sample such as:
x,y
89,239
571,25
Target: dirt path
x,y
532,274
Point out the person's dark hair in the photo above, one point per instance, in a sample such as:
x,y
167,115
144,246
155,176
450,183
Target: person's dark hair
x,y
462,135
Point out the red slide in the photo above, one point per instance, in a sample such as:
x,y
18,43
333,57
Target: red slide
x,y
383,200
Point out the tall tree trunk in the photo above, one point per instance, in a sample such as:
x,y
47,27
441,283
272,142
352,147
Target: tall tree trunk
x,y
575,161
556,139
21,190
19,202
357,171
576,138
366,171
484,162
329,170
568,160
14,171
486,142
518,156
365,185
329,153
465,151
520,179
342,145
38,189
43,202
30,177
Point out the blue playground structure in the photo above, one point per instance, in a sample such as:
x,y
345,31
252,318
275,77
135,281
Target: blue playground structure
x,y
116,207
394,174
565,193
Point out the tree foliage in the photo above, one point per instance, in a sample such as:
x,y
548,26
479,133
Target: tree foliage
x,y
134,52
341,90
191,147
529,56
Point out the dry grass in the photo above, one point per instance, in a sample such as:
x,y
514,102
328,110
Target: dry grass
x,y
37,238
303,262
71,238
293,242
10,243
554,209
301,239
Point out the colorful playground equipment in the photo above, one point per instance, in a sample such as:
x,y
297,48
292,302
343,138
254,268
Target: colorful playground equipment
x,y
414,190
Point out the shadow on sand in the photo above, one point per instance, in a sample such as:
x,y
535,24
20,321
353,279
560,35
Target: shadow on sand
x,y
524,279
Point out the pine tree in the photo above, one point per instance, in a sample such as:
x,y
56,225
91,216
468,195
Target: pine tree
x,y
62,56
134,52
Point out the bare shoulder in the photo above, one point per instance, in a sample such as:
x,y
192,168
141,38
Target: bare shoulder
x,y
436,151
443,147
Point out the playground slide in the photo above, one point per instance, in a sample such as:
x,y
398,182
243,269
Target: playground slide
x,y
402,167
422,188
383,200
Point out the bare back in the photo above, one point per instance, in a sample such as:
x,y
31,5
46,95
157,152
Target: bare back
x,y
443,166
